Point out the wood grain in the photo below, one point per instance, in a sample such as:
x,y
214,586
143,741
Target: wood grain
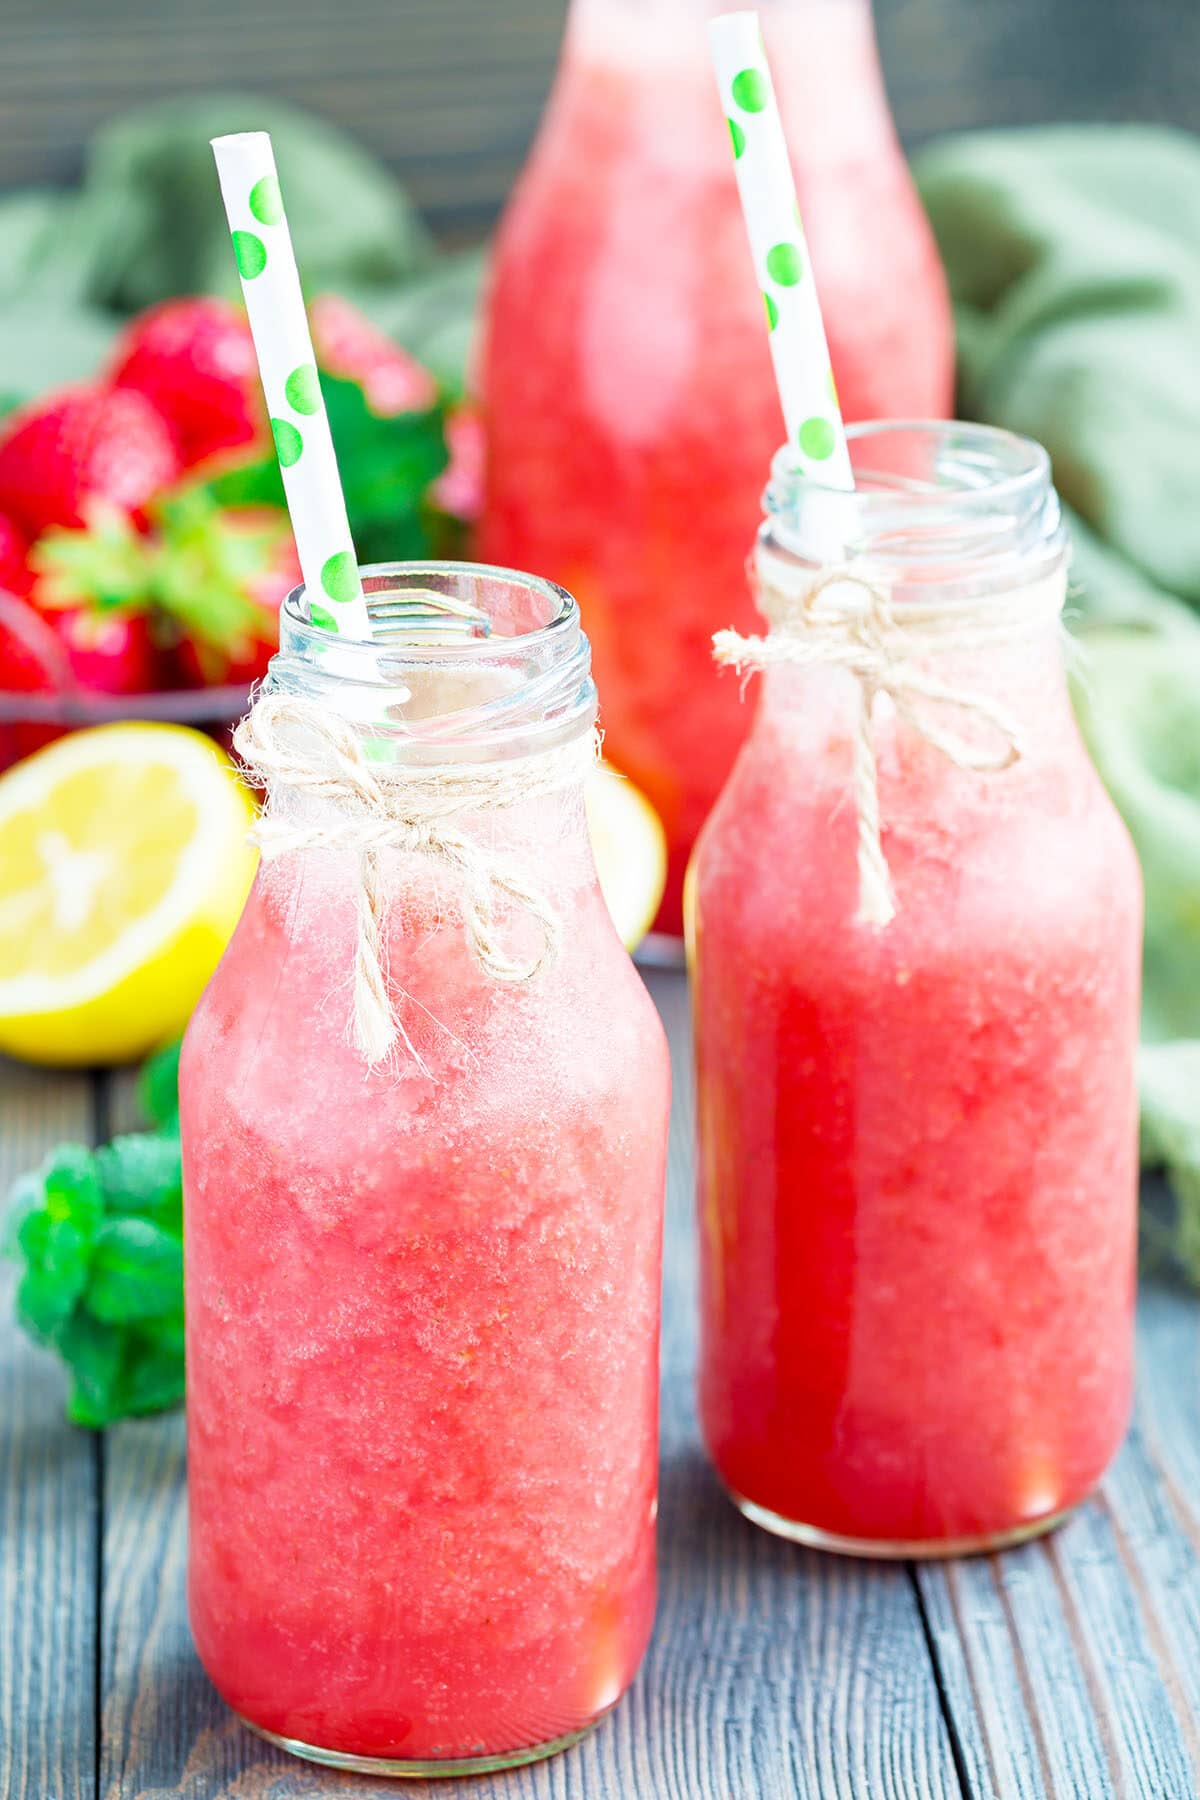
x,y
773,1675
48,1497
1072,1665
449,92
1067,1670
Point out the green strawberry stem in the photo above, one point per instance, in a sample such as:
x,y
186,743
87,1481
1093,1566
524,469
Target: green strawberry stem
x,y
193,572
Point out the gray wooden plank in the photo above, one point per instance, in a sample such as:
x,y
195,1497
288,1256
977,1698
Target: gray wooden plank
x,y
48,1489
164,1729
449,92
1072,1665
798,1675
774,1674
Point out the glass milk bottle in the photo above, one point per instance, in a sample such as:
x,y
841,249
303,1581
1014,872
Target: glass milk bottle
x,y
916,945
424,1109
630,404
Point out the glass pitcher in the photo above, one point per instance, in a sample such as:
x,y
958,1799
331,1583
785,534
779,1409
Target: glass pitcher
x,y
630,402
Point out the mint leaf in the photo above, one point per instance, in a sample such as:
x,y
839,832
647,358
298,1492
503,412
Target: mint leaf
x,y
153,1373
44,1305
56,1212
99,1233
141,1174
166,1334
72,1187
25,1198
158,1087
93,1352
136,1272
58,1249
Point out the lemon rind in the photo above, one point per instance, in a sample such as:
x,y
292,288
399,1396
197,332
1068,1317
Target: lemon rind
x,y
221,809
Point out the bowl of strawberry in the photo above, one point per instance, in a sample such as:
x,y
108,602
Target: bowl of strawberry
x,y
144,543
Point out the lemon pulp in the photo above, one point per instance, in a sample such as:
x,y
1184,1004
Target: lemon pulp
x,y
123,870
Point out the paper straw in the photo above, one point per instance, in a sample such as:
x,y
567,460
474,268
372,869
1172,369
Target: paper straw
x,y
262,246
796,330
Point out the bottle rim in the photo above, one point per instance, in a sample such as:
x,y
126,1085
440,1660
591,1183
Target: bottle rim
x,y
380,579
935,499
512,662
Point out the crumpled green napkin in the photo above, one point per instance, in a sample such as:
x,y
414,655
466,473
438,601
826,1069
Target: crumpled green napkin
x,y
147,223
1073,255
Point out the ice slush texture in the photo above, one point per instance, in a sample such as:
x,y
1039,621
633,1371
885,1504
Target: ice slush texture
x,y
917,1145
422,1330
631,408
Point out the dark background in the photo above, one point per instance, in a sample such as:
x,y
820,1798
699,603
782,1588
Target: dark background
x,y
448,91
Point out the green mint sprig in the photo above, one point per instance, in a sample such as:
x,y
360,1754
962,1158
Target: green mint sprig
x,y
100,1234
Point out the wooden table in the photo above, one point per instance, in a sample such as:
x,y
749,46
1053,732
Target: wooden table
x,y
448,92
1070,1667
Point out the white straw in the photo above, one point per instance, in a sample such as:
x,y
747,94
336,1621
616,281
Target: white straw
x,y
266,263
796,330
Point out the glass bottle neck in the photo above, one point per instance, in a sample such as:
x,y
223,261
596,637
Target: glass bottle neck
x,y
645,64
936,585
940,511
978,682
468,664
636,12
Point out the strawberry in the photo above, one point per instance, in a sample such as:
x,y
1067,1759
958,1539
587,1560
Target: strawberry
x,y
207,582
31,662
250,551
93,589
349,346
459,488
108,653
16,577
84,444
194,360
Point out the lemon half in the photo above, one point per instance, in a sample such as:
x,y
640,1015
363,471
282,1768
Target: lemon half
x,y
124,867
630,849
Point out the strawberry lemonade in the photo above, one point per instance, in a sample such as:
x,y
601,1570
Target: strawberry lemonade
x,y
630,405
918,1135
423,1298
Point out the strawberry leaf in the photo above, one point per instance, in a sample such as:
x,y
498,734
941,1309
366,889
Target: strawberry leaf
x,y
387,464
387,467
248,484
204,565
108,566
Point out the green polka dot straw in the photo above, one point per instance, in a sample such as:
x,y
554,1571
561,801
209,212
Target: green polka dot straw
x,y
262,248
763,171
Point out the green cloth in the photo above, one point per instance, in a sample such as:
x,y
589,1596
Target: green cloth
x,y
1073,255
147,223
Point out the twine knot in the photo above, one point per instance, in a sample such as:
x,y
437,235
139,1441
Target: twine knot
x,y
288,743
842,620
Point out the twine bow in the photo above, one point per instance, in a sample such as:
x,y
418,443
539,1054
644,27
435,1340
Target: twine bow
x,y
844,621
295,744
